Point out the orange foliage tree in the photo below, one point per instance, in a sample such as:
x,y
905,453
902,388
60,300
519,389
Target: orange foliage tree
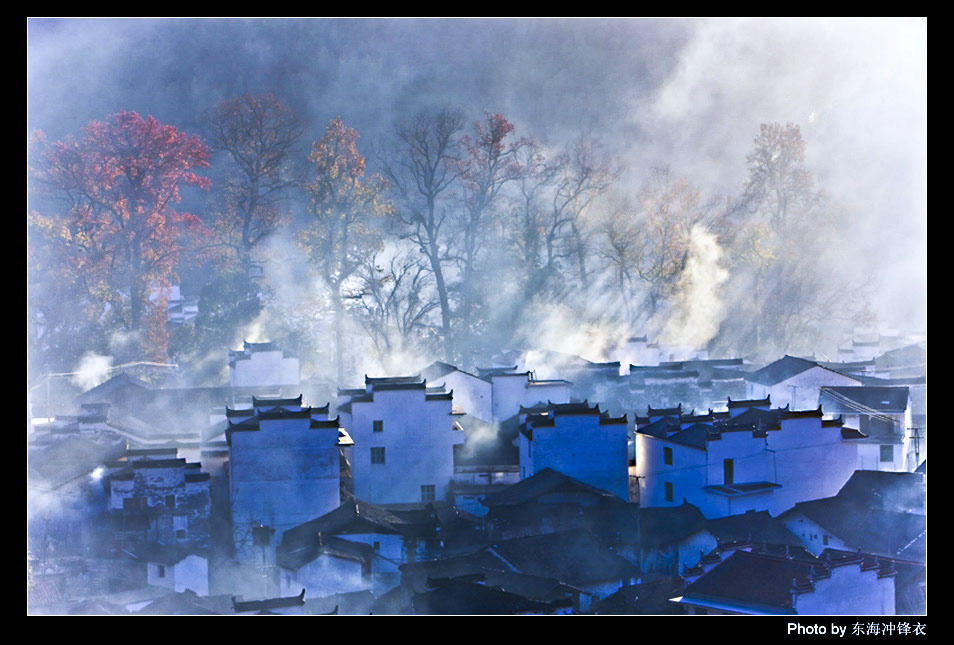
x,y
117,235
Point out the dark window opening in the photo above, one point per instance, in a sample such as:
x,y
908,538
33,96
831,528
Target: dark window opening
x,y
427,493
379,426
669,493
377,455
667,456
728,472
887,453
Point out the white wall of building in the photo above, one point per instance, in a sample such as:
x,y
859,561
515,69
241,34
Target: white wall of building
x,y
581,447
282,475
264,369
807,460
471,394
418,439
192,572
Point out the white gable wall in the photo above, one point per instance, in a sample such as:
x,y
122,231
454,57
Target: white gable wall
x,y
418,438
580,447
281,476
265,368
471,394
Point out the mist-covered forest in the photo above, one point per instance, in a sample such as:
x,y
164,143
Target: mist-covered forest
x,y
374,195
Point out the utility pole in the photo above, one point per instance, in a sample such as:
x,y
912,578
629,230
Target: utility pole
x,y
917,445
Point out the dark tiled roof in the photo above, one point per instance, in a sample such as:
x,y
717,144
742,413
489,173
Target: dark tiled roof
x,y
294,554
269,603
436,370
755,580
415,575
545,482
751,403
463,597
398,386
886,491
648,598
694,436
275,402
780,370
752,527
490,372
739,489
650,526
851,433
577,558
392,380
888,533
353,516
665,412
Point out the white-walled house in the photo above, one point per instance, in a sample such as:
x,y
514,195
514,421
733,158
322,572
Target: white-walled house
x,y
472,394
512,390
262,365
883,414
284,469
757,459
579,441
176,568
794,382
404,434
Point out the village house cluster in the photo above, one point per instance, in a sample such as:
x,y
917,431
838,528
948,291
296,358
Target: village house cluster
x,y
662,483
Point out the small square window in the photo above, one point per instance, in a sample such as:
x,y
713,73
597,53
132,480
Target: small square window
x,y
669,493
180,534
377,455
378,426
667,456
887,453
427,493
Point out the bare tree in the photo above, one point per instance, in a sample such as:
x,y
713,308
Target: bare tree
x,y
344,206
260,136
488,161
586,173
393,303
420,172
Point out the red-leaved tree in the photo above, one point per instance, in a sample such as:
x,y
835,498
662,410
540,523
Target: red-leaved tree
x,y
118,235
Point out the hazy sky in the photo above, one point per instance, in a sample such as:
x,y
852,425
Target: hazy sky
x,y
688,93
